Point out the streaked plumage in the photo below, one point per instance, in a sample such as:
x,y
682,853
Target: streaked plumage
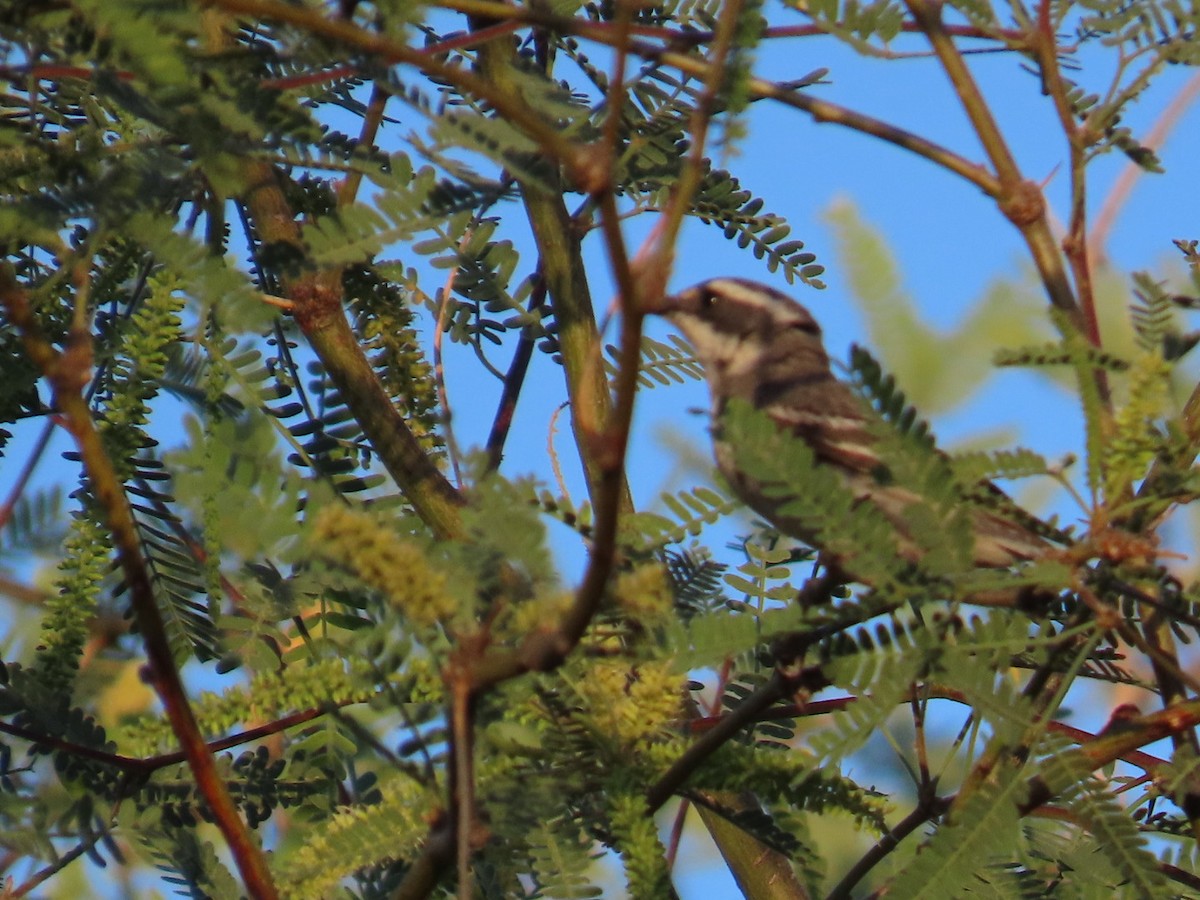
x,y
760,345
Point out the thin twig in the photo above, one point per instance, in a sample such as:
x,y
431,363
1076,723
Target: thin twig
x,y
1075,245
676,835
535,15
552,453
516,17
49,871
32,458
1155,138
1020,200
1172,681
372,119
439,372
1147,762
928,807
462,782
148,765
610,495
509,106
776,688
514,380
694,164
713,710
23,593
759,89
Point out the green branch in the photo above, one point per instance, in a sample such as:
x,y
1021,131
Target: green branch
x,y
317,299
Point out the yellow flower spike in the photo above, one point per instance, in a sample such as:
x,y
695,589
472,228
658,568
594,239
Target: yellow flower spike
x,y
644,593
542,613
637,705
395,567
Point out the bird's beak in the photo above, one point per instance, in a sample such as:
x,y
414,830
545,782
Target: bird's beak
x,y
665,304
658,305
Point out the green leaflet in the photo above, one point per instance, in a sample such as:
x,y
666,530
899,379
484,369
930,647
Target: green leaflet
x,y
815,494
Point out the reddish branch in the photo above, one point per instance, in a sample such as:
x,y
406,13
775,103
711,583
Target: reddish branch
x,y
68,372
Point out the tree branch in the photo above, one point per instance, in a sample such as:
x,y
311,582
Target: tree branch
x,y
67,373
318,298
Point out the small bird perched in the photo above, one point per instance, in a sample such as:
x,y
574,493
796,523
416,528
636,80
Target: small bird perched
x,y
760,346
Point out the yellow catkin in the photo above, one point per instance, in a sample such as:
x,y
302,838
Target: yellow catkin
x,y
637,705
395,567
541,613
644,593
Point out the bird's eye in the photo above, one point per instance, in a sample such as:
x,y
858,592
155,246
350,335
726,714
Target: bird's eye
x,y
709,300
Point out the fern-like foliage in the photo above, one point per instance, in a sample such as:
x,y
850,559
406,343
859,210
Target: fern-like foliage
x,y
559,866
661,364
818,504
711,638
1154,320
35,523
961,848
857,23
1058,355
189,864
695,581
258,247
18,392
686,513
1111,826
722,201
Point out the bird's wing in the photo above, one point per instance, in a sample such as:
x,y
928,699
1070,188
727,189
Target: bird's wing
x,y
838,435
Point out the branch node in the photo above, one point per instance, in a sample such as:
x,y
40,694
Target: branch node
x,y
1023,204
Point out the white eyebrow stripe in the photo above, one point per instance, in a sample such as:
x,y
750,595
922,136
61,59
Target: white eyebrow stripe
x,y
759,296
743,292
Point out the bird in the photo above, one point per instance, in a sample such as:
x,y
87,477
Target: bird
x,y
760,346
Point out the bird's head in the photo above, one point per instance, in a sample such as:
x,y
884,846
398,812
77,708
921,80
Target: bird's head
x,y
745,332
737,308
